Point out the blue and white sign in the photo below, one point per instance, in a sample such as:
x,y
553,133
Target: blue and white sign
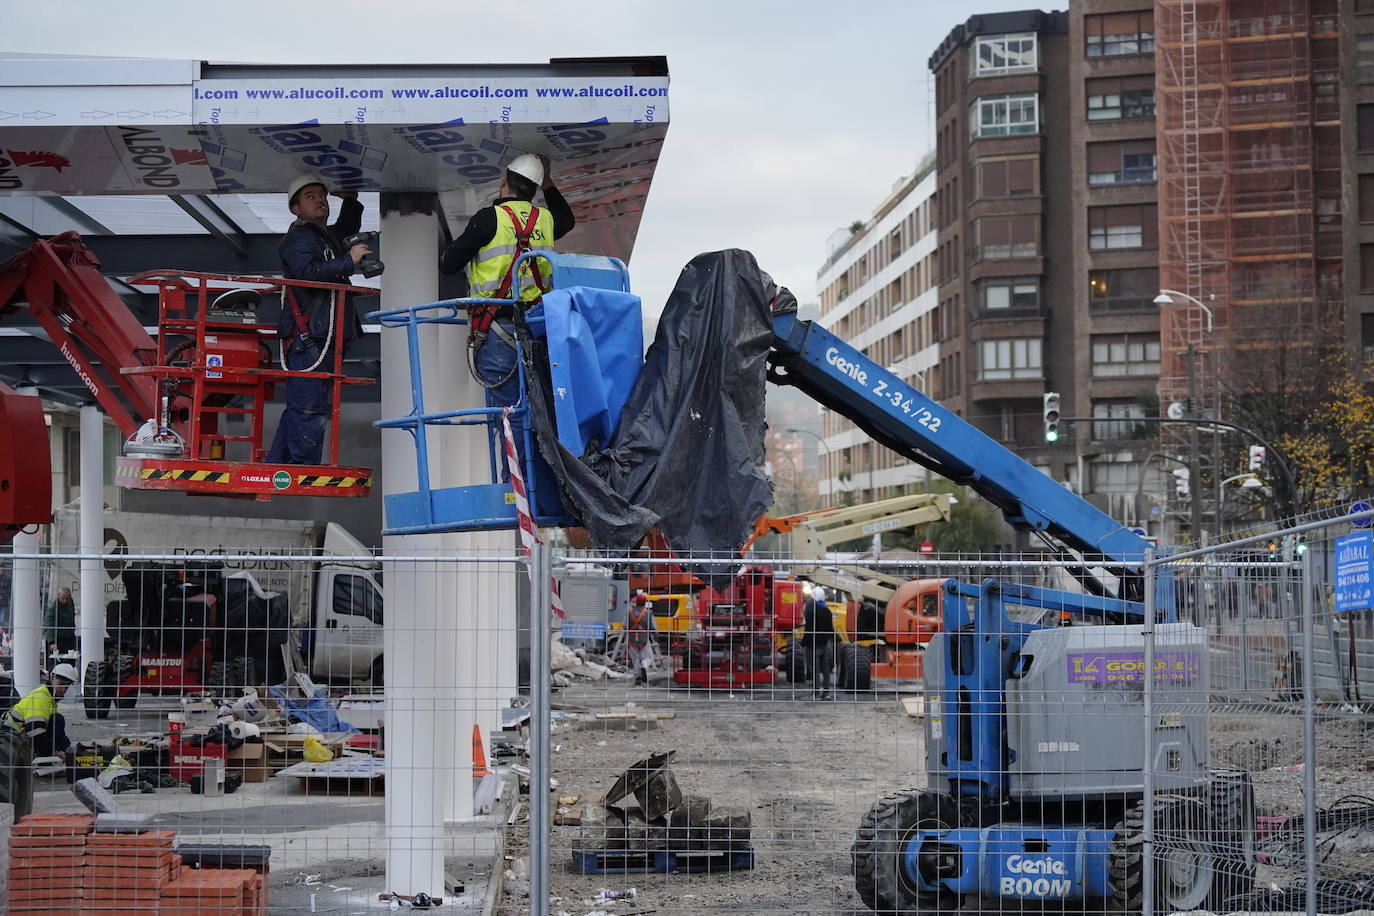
x,y
1356,509
1355,572
213,363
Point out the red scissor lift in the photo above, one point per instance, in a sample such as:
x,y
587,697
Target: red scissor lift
x,y
212,358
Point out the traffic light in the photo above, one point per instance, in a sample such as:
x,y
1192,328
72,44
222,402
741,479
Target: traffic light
x,y
1182,483
1300,547
1256,458
1273,550
1051,416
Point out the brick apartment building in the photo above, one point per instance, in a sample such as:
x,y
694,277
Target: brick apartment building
x,y
1048,239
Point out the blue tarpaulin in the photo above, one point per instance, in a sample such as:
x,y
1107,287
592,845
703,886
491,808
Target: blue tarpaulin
x,y
596,345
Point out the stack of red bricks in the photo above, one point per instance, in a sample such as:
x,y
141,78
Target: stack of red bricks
x,y
60,867
215,892
126,872
48,863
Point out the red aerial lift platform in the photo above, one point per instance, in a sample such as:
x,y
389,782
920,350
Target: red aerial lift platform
x,y
212,358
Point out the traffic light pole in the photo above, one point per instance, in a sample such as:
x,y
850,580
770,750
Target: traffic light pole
x,y
1280,459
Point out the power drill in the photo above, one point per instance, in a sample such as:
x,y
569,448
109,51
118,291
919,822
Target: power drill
x,y
371,265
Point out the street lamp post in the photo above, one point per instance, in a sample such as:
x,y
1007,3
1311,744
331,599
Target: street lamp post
x,y
1164,299
824,451
1248,482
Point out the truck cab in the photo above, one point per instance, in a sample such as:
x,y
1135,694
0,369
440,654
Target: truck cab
x,y
343,641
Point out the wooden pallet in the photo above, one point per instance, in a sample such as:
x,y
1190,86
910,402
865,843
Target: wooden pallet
x,y
662,861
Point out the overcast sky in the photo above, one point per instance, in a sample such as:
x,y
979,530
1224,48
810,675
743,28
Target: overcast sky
x,y
788,120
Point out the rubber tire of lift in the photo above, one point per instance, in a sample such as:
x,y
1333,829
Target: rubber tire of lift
x,y
879,877
219,677
123,670
1182,828
96,697
854,666
792,661
1232,797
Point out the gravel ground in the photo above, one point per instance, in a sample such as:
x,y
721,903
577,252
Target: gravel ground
x,y
809,770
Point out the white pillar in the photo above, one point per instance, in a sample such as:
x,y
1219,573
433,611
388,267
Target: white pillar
x,y
416,745
92,597
27,613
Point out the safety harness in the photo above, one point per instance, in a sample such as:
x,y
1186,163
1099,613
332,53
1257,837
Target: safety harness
x,y
482,318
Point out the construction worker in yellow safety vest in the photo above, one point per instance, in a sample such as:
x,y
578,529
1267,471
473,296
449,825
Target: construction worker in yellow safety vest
x,y
34,728
495,236
639,627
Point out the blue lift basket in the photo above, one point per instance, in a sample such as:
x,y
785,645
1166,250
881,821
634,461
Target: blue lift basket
x,y
488,506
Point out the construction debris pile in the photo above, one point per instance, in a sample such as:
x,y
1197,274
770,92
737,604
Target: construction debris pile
x,y
571,665
646,813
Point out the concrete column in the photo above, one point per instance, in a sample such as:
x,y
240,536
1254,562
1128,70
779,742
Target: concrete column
x,y
25,606
417,738
92,598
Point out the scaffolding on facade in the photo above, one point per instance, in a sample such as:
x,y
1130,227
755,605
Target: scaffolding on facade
x,y
1249,200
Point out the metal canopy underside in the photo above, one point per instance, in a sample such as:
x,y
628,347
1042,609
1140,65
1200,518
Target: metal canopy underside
x,y
174,163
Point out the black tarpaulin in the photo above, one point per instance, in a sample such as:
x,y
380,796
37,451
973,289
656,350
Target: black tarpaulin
x,y
688,451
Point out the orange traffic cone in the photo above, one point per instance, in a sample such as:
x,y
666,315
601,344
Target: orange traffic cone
x,y
479,756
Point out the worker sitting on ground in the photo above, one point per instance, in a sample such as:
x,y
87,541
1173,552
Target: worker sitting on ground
x,y
35,717
488,247
639,627
309,326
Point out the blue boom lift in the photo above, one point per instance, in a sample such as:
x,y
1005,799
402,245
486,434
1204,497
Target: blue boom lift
x,y
1035,734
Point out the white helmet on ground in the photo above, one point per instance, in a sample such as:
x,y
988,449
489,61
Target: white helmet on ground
x,y
66,672
527,165
303,181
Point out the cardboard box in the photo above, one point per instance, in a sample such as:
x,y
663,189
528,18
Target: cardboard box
x,y
284,749
250,759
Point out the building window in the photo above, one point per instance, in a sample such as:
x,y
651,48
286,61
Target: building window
x,y
1008,236
1011,294
1125,355
1367,337
1009,177
1122,290
1364,58
1129,226
1016,358
1114,34
1003,115
1367,198
1364,128
1367,268
1120,413
1121,162
1121,98
995,55
1112,476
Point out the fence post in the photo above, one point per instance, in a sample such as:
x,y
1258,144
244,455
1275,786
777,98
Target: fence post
x,y
1309,737
1147,632
540,688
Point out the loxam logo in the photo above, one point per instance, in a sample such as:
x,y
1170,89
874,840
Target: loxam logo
x,y
327,161
151,158
12,159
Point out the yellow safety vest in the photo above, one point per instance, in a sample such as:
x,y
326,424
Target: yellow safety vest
x,y
37,706
489,268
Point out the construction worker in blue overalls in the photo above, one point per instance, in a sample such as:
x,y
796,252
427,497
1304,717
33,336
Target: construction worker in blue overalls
x,y
488,247
33,727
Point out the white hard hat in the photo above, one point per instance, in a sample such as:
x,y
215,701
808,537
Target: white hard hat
x,y
818,592
303,181
67,671
528,166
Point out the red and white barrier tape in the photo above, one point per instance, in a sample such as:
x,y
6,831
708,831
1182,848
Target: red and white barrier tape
x,y
529,535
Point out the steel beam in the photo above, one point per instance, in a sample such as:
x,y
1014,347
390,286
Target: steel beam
x,y
131,254
206,212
